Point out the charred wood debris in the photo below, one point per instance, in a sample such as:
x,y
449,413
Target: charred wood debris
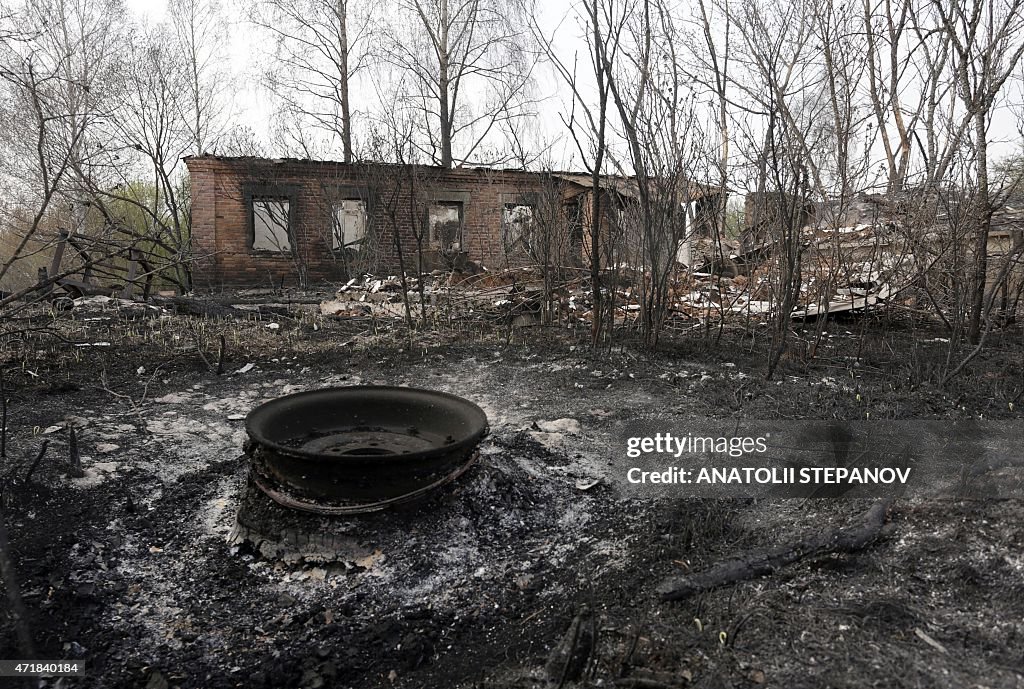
x,y
515,296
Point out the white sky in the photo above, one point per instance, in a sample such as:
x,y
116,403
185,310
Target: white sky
x,y
253,106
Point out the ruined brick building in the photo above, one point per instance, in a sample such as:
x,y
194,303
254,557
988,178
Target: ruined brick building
x,y
260,222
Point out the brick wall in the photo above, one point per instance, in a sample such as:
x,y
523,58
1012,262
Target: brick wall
x,y
395,196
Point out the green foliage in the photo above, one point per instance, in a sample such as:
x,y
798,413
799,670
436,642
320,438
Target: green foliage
x,y
734,220
157,223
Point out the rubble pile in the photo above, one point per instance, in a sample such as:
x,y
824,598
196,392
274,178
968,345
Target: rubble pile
x,y
444,295
519,296
852,256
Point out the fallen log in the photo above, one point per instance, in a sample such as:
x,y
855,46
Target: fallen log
x,y
843,540
569,658
187,306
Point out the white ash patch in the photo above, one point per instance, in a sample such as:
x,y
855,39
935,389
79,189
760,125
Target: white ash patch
x,y
240,404
574,517
566,425
95,473
217,515
187,445
616,551
174,398
499,415
558,434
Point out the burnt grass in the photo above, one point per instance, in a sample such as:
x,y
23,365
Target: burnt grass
x,y
131,570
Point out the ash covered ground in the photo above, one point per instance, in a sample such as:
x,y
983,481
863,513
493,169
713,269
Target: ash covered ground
x,y
132,567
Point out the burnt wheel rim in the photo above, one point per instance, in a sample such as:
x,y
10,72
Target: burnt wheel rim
x,y
342,448
285,499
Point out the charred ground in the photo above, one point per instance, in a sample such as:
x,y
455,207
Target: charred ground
x,y
130,566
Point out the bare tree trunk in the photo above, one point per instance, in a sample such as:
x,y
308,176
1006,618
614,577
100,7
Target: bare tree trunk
x,y
443,89
462,68
983,220
320,46
346,108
